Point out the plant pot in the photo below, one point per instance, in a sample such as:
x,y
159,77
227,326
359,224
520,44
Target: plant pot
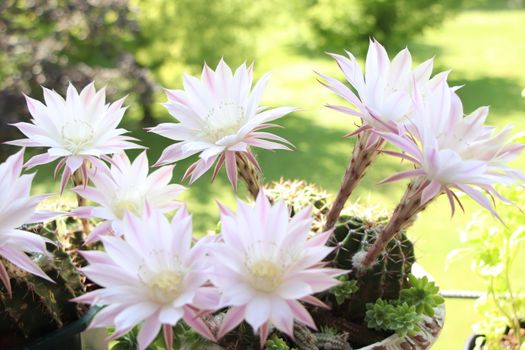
x,y
67,337
471,340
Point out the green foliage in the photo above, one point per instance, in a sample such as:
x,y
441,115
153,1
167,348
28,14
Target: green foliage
x,y
276,343
401,318
422,294
494,248
178,34
344,290
348,24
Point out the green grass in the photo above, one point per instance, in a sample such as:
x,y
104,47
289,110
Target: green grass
x,y
486,52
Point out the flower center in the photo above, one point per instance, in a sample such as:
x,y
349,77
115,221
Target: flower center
x,y
223,120
265,275
165,286
76,135
127,203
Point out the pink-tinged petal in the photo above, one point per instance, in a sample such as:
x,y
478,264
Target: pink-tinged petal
x,y
197,324
23,261
4,277
66,174
400,69
134,314
272,114
218,166
232,319
74,163
282,316
105,317
301,314
430,191
294,290
231,168
140,166
27,241
121,253
480,198
403,175
170,315
346,110
253,160
99,231
319,239
263,334
315,302
160,177
167,330
208,77
266,144
176,132
148,332
258,312
256,95
207,298
201,167
343,91
89,193
44,215
96,257
270,136
351,70
423,71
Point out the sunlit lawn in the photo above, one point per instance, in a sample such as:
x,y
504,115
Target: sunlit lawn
x,y
486,52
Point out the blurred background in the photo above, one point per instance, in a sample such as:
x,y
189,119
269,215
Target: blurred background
x,y
136,47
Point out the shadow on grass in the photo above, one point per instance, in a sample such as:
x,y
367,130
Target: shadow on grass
x,y
503,95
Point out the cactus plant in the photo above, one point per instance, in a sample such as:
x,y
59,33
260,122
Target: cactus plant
x,y
299,194
385,279
37,306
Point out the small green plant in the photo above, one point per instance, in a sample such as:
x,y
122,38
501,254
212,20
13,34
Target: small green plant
x,y
423,294
344,290
494,248
402,315
392,316
276,343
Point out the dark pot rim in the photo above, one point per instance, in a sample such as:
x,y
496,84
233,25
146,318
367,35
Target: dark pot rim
x,y
70,329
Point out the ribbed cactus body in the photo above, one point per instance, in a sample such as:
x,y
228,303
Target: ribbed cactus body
x,y
299,194
37,306
385,279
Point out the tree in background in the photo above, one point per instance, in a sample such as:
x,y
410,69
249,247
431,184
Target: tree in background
x,y
53,42
339,24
